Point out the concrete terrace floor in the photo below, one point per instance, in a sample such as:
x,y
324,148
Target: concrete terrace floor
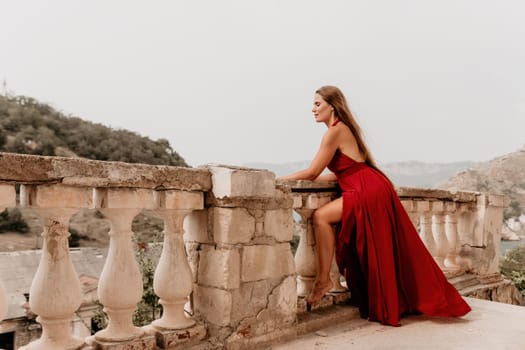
x,y
490,325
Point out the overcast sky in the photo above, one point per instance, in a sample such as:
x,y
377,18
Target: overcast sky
x,y
233,81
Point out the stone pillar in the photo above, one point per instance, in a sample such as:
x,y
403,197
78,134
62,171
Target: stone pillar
x,y
487,233
335,277
173,281
411,209
55,292
306,256
305,259
451,232
438,231
425,222
120,285
7,199
246,275
465,226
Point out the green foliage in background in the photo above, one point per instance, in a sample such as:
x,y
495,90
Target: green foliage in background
x,y
512,265
148,309
30,127
11,220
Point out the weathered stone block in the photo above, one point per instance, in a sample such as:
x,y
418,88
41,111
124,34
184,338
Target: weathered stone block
x,y
242,182
316,200
450,207
250,299
196,226
279,224
408,204
282,303
267,308
55,196
177,338
264,261
213,304
91,173
297,200
7,196
232,225
144,342
219,268
124,198
423,206
438,206
181,200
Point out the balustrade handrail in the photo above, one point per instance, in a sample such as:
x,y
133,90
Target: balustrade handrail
x,y
454,225
403,192
30,169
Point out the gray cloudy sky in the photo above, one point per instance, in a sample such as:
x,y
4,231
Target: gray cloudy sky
x,y
233,81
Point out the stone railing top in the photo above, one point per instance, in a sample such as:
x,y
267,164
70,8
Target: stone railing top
x,y
433,193
307,185
402,192
29,169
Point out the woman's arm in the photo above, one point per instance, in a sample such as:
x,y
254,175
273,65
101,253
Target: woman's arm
x,y
325,153
327,177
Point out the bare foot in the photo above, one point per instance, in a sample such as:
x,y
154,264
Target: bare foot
x,y
319,290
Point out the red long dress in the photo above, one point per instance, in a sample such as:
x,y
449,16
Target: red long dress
x,y
387,267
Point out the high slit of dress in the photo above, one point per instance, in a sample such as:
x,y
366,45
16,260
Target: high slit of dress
x,y
388,269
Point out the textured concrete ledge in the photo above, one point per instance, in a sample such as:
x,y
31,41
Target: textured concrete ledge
x,y
402,192
307,323
30,169
489,326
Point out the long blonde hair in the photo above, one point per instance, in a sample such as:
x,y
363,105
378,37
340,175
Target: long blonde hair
x,y
334,97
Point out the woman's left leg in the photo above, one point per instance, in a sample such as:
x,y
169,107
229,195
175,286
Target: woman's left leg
x,y
323,220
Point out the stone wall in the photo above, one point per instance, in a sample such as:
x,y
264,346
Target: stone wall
x,y
240,250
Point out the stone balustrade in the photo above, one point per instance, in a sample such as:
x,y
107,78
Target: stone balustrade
x,y
226,258
460,229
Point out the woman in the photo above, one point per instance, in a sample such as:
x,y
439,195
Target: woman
x,y
386,265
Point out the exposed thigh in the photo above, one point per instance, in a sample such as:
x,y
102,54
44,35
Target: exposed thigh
x,y
331,212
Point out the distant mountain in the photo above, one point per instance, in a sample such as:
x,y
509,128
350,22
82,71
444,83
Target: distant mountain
x,y
503,175
421,174
409,173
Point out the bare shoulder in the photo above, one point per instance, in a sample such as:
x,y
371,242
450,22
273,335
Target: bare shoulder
x,y
341,130
347,142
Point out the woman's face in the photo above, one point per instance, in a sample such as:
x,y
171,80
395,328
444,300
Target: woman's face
x,y
322,110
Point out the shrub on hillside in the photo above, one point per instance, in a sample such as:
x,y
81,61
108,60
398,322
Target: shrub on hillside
x,y
11,220
30,127
512,265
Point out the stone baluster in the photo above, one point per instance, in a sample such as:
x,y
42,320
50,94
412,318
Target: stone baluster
x,y
7,199
465,227
305,256
55,292
120,285
425,226
335,277
451,232
411,209
305,260
438,230
173,281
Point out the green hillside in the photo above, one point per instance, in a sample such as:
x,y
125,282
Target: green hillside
x,y
30,127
